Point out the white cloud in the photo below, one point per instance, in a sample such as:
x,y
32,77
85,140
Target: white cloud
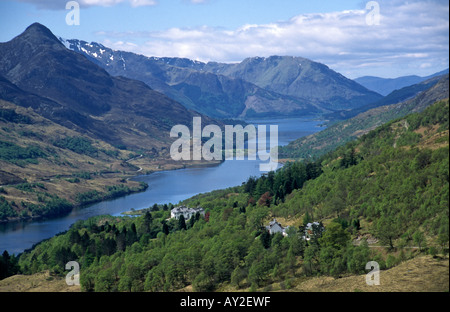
x,y
410,34
99,2
138,3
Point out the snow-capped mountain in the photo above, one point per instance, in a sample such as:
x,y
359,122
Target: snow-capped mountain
x,y
96,51
257,86
185,81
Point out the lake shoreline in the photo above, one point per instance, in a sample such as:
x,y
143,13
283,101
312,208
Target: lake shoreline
x,y
201,164
166,184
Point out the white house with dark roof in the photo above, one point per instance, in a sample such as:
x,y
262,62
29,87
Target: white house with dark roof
x,y
275,227
309,229
186,212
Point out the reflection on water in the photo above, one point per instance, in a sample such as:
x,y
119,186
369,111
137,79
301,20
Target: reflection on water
x,y
164,187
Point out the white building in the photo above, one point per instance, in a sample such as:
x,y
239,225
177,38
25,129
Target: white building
x,y
309,229
275,227
186,212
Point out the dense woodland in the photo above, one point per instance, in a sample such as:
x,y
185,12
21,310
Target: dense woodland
x,y
391,184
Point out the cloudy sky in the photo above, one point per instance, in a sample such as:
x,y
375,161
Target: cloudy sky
x,y
356,38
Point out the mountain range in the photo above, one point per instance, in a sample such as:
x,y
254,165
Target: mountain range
x,y
255,87
89,110
132,101
70,133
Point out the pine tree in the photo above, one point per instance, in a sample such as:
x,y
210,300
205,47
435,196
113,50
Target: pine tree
x,y
131,236
181,223
266,239
191,221
147,222
165,228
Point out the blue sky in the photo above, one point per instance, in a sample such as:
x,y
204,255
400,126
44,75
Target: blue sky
x,y
411,38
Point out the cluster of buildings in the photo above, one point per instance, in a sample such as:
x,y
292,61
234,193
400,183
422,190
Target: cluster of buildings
x,y
273,227
276,227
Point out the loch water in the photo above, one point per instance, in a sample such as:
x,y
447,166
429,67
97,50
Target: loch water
x,y
164,187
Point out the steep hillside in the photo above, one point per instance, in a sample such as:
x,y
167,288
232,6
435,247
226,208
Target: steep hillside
x,y
46,168
396,96
347,130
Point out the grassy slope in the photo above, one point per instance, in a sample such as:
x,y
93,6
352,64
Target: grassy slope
x,y
54,171
423,273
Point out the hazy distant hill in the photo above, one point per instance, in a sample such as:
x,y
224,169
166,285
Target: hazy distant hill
x,y
384,86
394,97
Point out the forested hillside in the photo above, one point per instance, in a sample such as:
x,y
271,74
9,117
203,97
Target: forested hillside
x,y
391,185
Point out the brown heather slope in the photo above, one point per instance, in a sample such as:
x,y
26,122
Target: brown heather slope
x,y
39,282
420,274
56,171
